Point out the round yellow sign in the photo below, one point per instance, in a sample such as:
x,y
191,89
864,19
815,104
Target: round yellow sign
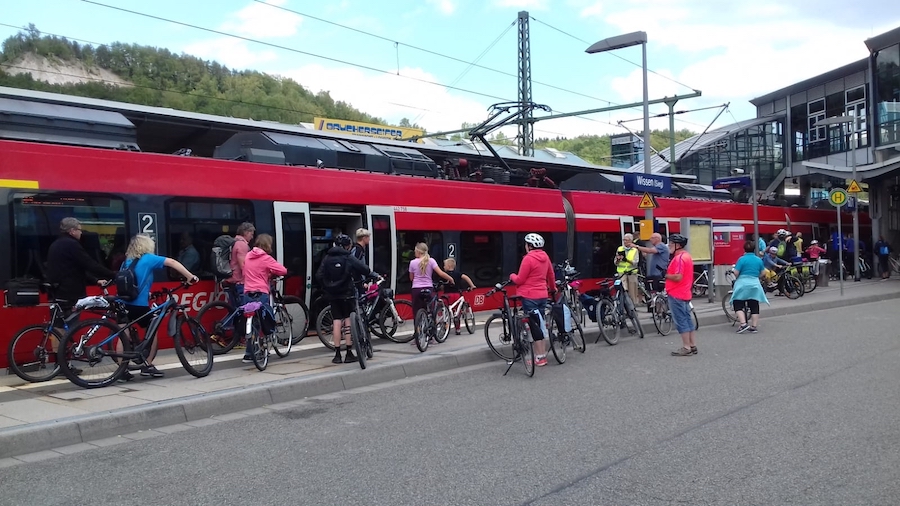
x,y
837,197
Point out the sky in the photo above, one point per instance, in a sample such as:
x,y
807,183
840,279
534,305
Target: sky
x,y
412,59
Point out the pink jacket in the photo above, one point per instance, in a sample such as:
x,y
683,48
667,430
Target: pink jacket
x,y
259,267
535,276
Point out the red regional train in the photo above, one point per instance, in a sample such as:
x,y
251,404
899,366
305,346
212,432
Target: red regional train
x,y
116,194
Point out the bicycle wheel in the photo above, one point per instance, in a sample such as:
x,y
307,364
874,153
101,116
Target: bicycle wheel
x,y
283,340
421,331
578,309
31,356
557,343
87,347
576,337
728,308
608,322
662,318
810,282
398,328
260,354
527,351
221,334
793,287
696,321
356,335
297,314
192,347
441,321
367,341
468,317
325,327
634,325
498,337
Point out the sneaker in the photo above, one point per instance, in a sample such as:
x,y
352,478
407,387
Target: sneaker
x,y
126,377
247,359
337,359
753,330
682,352
744,328
693,350
541,362
350,357
150,371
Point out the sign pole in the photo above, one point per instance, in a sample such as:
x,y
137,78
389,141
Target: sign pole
x,y
840,251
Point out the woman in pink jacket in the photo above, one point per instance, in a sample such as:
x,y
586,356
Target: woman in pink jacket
x,y
259,268
533,282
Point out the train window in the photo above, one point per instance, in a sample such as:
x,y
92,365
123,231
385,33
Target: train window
x,y
36,218
481,257
381,240
193,224
548,245
604,252
406,244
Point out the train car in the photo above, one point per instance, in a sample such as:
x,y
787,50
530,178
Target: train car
x,y
116,194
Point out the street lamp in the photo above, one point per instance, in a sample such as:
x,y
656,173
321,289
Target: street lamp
x,y
843,120
619,42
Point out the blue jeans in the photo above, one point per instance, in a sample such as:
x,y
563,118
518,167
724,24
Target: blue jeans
x,y
535,309
681,314
236,294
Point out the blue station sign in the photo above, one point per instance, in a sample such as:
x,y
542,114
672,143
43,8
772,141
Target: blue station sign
x,y
648,183
731,182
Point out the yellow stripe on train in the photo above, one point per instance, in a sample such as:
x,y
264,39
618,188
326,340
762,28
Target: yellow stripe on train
x,y
19,183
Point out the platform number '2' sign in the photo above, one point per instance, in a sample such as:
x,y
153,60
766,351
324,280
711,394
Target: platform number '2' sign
x,y
147,225
451,250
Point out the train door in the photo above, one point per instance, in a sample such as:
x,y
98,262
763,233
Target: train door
x,y
383,247
294,248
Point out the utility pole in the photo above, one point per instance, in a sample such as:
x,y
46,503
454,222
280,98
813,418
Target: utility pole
x,y
671,103
526,123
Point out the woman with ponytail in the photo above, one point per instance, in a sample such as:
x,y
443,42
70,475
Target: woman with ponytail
x,y
420,271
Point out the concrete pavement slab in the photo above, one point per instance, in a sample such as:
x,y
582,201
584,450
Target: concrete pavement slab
x,y
37,410
38,456
80,447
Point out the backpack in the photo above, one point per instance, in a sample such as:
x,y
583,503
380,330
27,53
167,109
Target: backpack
x,y
127,287
335,277
781,247
883,250
220,256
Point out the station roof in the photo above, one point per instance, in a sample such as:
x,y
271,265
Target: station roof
x,y
812,82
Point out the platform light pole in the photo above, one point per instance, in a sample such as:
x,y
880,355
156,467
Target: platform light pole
x,y
619,42
843,120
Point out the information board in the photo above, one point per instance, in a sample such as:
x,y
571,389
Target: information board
x,y
699,235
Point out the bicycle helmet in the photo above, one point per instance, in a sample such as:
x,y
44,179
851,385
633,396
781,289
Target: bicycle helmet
x,y
343,240
678,239
534,240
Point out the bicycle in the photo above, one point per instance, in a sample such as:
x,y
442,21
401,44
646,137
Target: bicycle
x,y
220,319
262,331
385,315
514,332
432,322
805,273
611,312
565,329
30,354
701,284
662,314
460,311
894,263
359,334
85,346
570,289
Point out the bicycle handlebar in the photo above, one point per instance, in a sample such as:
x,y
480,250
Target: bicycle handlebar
x,y
169,291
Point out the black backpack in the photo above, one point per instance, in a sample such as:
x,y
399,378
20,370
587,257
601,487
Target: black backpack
x,y
335,276
127,287
220,256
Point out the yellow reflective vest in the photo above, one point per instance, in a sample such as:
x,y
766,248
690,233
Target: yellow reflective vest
x,y
629,261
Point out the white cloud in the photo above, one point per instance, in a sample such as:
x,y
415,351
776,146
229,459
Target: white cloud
x,y
523,4
447,7
261,21
392,97
593,10
232,53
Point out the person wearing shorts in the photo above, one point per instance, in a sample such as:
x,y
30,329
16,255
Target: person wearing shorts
x,y
747,291
679,278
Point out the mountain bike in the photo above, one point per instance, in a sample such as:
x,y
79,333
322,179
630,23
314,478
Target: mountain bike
x,y
615,311
385,316
362,341
513,331
104,349
570,289
565,329
432,322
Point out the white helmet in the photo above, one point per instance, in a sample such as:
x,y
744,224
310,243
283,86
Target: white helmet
x,y
535,240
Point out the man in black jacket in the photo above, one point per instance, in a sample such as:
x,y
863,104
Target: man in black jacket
x,y
336,276
69,266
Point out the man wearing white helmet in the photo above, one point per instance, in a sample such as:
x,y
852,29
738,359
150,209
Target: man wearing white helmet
x,y
534,281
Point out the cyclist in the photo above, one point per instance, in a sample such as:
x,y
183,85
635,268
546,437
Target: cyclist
x,y
534,282
420,273
626,266
679,278
239,250
69,267
259,268
773,264
747,291
141,251
657,261
459,281
336,276
360,251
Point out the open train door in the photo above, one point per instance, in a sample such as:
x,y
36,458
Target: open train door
x,y
294,248
383,247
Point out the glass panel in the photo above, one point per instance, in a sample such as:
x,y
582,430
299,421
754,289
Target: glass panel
x,y
293,237
481,257
406,244
36,218
888,94
197,228
381,244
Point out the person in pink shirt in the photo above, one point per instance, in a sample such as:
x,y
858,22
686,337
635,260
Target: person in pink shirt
x,y
533,282
258,270
421,269
239,250
814,250
679,278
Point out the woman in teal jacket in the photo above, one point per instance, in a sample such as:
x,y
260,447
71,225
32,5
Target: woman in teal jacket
x,y
747,289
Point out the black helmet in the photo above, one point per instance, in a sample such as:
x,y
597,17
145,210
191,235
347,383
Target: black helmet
x,y
678,239
343,240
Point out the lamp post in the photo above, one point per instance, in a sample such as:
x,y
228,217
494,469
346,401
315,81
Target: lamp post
x,y
628,40
843,120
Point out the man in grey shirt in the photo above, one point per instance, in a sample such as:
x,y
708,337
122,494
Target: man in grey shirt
x,y
657,261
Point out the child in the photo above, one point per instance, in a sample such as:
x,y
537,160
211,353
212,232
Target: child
x,y
458,279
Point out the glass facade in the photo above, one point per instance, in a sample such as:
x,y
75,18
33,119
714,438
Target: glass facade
x,y
812,140
887,100
626,150
757,147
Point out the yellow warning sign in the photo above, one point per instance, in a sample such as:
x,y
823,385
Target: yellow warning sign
x,y
647,202
854,187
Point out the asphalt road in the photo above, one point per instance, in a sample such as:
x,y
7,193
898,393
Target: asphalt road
x,y
805,412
